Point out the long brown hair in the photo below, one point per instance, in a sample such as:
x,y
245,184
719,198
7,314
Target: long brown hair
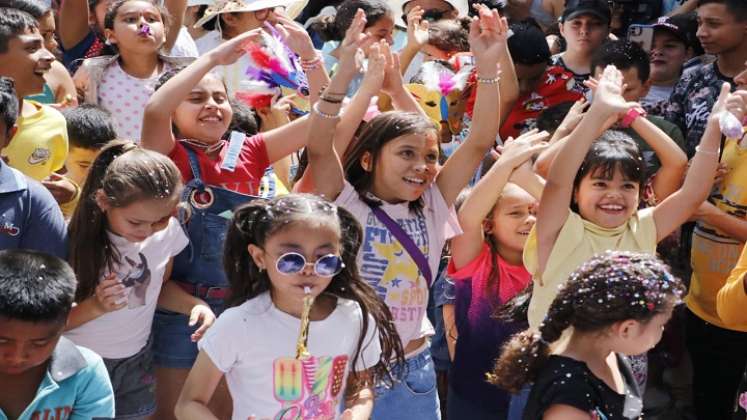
x,y
611,287
126,174
255,222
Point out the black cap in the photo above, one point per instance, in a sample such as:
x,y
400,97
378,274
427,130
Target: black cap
x,y
677,25
597,8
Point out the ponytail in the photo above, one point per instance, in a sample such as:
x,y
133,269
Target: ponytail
x,y
140,174
524,356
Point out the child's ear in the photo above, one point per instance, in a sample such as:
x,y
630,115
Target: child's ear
x,y
367,162
109,36
101,200
627,329
258,255
487,226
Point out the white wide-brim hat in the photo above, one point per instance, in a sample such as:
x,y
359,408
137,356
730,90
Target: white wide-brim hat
x,y
398,7
293,8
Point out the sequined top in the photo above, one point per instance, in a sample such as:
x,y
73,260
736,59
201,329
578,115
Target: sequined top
x,y
567,381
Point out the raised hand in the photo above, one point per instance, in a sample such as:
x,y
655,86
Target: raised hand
x,y
517,151
228,52
417,28
608,98
351,55
487,39
392,72
295,36
373,79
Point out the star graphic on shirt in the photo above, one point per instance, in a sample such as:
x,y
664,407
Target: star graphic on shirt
x,y
396,282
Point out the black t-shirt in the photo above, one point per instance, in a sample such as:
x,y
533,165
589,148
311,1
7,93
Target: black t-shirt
x,y
569,382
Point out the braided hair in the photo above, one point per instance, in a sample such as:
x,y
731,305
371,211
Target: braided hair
x,y
611,287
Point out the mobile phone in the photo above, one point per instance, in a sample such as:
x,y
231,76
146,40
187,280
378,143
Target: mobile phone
x,y
643,35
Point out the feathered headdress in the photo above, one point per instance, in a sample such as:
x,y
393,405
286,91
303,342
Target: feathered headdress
x,y
273,70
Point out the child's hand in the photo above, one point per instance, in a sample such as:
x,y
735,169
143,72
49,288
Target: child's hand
x,y
295,36
228,52
487,39
347,415
351,55
608,100
392,74
573,117
110,294
205,316
417,29
373,79
517,151
63,190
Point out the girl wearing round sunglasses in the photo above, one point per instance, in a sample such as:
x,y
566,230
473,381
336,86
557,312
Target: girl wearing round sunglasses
x,y
276,252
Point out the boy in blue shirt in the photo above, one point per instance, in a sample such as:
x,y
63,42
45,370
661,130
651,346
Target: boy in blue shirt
x,y
29,216
42,374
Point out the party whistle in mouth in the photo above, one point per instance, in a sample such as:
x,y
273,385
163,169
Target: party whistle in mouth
x,y
144,30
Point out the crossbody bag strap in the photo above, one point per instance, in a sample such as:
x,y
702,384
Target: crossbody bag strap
x,y
406,241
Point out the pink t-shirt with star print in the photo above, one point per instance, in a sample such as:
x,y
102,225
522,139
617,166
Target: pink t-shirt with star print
x,y
125,97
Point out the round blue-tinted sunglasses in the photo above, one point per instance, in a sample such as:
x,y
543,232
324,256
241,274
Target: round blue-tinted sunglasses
x,y
328,265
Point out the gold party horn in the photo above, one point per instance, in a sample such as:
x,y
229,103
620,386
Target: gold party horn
x,y
303,336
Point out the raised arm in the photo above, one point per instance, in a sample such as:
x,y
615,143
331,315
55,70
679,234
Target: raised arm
x,y
486,35
176,9
324,165
299,41
477,206
157,133
673,159
556,197
75,15
678,207
417,37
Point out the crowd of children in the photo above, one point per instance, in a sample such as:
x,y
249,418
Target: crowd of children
x,y
354,209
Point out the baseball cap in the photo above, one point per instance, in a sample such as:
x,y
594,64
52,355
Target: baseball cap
x,y
598,8
677,25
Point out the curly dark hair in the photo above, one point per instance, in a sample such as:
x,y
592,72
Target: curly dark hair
x,y
611,287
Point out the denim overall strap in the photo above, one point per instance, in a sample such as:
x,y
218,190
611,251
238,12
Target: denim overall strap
x,y
194,165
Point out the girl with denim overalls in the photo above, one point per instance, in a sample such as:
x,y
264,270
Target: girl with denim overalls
x,y
392,183
186,118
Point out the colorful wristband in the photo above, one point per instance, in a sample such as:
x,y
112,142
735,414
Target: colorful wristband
x,y
631,116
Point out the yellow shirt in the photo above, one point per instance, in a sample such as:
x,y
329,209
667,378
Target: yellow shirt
x,y
714,253
577,242
39,147
731,300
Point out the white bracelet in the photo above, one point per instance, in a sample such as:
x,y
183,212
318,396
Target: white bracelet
x,y
707,152
325,115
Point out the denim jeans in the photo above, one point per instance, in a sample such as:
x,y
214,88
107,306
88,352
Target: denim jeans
x,y
414,397
518,403
200,264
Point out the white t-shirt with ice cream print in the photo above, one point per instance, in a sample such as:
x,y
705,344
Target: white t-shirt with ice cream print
x,y
123,333
254,345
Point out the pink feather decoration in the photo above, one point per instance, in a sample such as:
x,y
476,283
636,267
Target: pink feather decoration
x,y
264,60
446,83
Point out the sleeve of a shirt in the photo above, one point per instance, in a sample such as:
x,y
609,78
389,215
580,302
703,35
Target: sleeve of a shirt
x,y
674,111
45,228
220,342
255,155
573,391
95,397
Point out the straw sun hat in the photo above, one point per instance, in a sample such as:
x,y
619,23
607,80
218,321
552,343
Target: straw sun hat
x,y
292,7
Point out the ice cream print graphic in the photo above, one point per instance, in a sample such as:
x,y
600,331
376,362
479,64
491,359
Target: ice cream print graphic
x,y
309,388
135,275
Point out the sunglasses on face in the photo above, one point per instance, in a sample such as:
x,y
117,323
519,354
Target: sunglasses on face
x,y
328,265
431,15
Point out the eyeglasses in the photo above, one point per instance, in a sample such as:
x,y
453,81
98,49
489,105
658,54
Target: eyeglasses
x,y
431,15
328,265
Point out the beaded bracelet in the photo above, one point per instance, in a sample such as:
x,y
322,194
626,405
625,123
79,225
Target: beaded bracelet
x,y
315,107
312,64
488,81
